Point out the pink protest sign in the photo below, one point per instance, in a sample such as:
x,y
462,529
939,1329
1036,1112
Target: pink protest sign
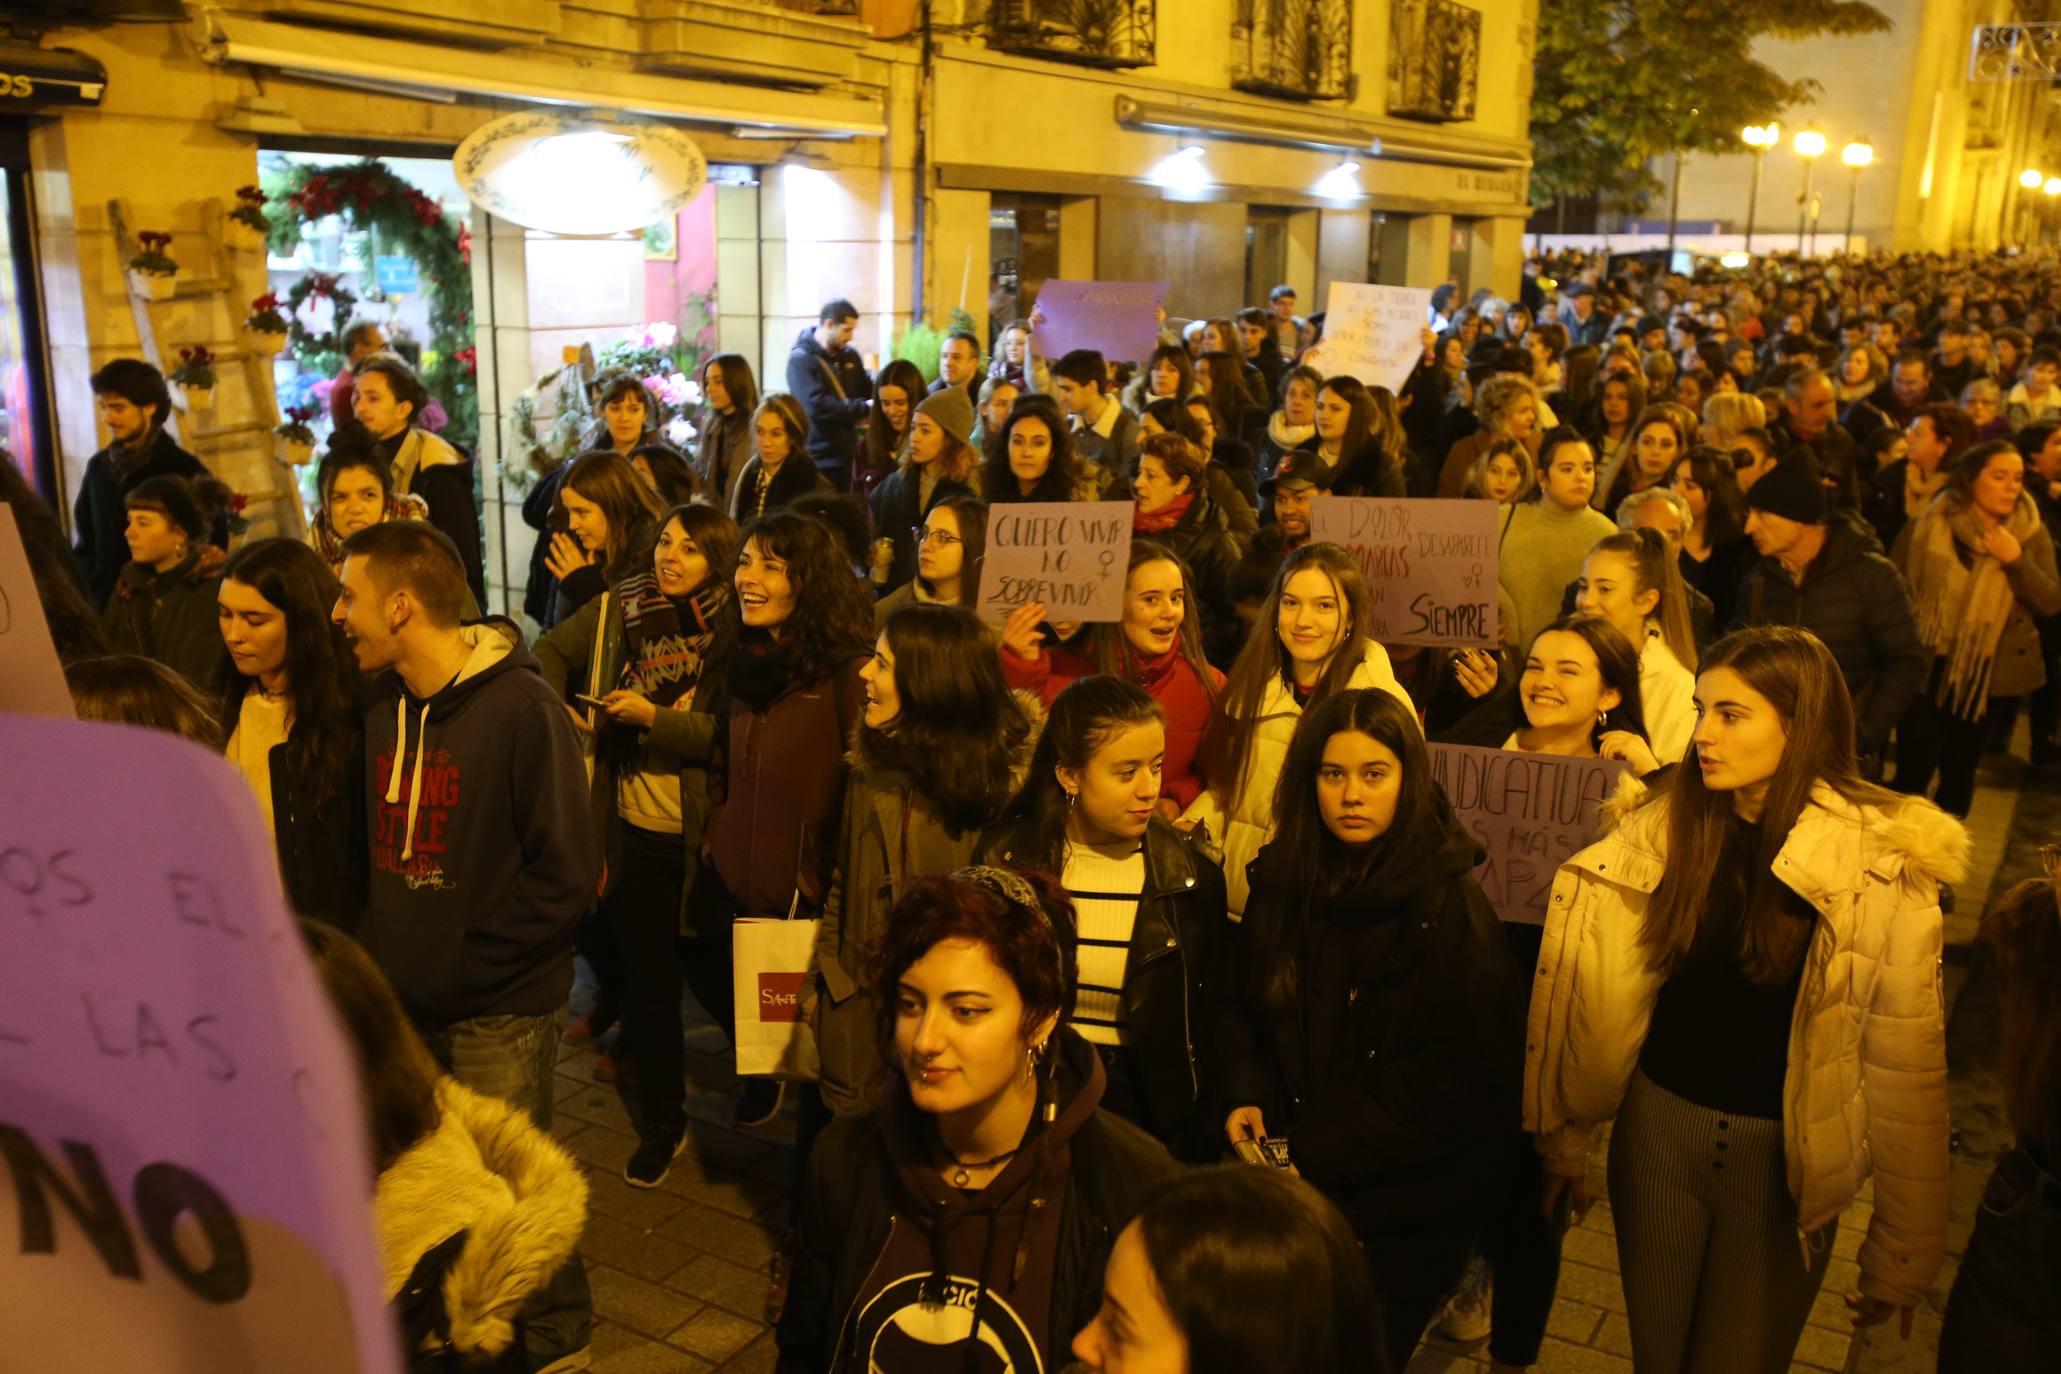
x,y
31,680
1531,812
190,1184
1431,566
1118,319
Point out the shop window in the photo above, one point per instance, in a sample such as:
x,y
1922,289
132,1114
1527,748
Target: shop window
x,y
1100,33
1301,49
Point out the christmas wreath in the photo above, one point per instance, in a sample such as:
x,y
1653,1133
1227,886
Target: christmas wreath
x,y
319,353
400,219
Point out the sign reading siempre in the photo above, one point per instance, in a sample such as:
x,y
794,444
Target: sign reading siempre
x,y
184,1176
1531,812
1118,319
1430,565
1375,333
1069,556
31,679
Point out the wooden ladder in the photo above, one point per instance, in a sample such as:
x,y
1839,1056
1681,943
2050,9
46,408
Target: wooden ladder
x,y
237,451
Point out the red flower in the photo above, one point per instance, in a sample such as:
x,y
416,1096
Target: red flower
x,y
469,356
268,301
237,501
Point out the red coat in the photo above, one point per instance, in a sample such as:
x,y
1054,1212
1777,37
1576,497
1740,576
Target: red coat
x,y
1169,679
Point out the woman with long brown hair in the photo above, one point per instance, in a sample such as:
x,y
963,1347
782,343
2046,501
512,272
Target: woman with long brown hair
x,y
1768,890
606,515
731,394
897,387
1647,459
779,469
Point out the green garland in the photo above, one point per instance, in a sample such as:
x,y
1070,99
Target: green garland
x,y
372,199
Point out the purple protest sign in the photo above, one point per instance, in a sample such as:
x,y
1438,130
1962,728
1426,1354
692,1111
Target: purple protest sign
x,y
178,1108
1431,566
31,679
1118,319
1531,812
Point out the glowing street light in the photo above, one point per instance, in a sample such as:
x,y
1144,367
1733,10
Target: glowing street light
x,y
1810,146
1857,155
1760,138
2031,179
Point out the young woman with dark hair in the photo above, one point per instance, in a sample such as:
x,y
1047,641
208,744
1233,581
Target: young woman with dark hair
x,y
1031,458
897,387
1228,475
991,409
1365,929
1233,1269
1168,375
387,398
1579,687
1173,506
163,605
1350,460
128,689
1311,640
292,713
780,468
795,698
1657,442
2005,1308
354,489
939,750
626,417
1631,580
608,514
1221,377
731,395
476,1209
968,1218
662,468
937,463
1157,645
949,550
652,652
1716,538
1743,894
1149,902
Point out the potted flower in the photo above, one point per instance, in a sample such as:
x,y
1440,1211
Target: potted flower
x,y
266,325
153,274
196,374
296,437
247,226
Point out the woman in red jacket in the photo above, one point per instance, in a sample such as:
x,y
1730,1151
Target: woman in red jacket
x,y
1157,644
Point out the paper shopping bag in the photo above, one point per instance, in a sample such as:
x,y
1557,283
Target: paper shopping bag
x,y
773,958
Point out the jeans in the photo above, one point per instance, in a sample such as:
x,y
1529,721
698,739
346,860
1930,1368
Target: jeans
x,y
642,910
1932,739
708,956
2005,1309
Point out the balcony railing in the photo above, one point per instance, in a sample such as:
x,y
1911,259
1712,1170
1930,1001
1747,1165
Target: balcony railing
x,y
1100,33
1296,48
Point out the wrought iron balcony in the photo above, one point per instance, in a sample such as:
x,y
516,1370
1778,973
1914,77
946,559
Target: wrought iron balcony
x,y
1099,33
1296,48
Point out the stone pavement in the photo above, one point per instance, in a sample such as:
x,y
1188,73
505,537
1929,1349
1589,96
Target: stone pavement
x,y
679,1272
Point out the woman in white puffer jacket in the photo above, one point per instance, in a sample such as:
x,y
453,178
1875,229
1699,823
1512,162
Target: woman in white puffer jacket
x,y
1744,976
1311,639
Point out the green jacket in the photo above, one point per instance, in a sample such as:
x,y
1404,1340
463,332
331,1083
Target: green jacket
x,y
170,616
566,653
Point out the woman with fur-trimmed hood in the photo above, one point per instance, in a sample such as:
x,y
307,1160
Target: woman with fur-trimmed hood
x,y
1744,976
476,1211
937,755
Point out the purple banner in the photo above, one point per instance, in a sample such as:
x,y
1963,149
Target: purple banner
x,y
1118,319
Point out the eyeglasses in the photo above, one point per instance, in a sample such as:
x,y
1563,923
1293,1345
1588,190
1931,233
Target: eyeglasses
x,y
923,536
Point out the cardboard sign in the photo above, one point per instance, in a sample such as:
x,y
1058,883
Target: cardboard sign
x,y
1430,565
1071,556
31,678
1118,319
1532,812
187,1182
1375,333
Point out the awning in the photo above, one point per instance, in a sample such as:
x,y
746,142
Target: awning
x,y
33,78
403,65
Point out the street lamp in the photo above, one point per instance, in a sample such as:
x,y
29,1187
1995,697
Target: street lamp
x,y
1760,138
1856,155
1810,146
2031,179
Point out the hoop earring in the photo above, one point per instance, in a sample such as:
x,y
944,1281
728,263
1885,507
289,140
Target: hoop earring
x,y
1602,720
1071,798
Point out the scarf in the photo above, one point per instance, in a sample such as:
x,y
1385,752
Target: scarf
x,y
1962,606
1919,490
1288,437
400,506
666,645
1847,394
1165,518
763,668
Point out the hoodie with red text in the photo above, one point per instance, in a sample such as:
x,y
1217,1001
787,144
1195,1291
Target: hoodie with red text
x,y
483,860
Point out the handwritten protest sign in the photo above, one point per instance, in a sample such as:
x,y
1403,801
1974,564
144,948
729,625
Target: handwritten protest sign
x,y
1530,811
187,1178
1069,555
1430,565
31,680
1118,319
1375,333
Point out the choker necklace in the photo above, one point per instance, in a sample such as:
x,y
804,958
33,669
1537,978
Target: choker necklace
x,y
964,1169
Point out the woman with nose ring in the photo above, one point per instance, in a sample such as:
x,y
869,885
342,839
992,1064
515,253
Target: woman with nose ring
x,y
1364,930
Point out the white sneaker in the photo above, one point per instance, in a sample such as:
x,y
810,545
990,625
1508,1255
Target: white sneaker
x,y
1465,1318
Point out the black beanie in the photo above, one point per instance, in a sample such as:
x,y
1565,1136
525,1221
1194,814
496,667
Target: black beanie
x,y
174,499
1792,490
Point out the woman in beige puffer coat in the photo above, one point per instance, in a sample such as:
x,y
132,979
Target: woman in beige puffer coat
x,y
1763,1047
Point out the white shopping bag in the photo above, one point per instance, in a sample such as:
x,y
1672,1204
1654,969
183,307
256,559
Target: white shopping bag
x,y
773,959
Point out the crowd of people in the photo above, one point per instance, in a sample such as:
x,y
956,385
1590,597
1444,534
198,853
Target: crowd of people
x,y
1161,1020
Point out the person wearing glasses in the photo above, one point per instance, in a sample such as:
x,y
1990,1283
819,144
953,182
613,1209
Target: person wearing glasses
x,y
937,463
949,545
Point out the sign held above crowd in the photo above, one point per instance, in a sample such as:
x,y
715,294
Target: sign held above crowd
x,y
1070,556
1374,333
1118,319
1430,566
31,678
1531,812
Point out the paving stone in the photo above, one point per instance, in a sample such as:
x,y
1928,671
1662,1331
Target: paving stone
x,y
757,1358
632,1250
715,1334
650,1358
733,1193
1558,1357
1614,1335
740,1241
1591,1284
1823,1349
644,1208
600,1148
731,1287
1574,1321
1590,1247
643,1307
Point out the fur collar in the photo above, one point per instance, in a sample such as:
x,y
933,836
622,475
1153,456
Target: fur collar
x,y
486,1169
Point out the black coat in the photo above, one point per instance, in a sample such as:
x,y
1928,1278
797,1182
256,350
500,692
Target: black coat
x,y
898,508
1369,472
324,854
1394,1065
100,515
795,478
536,513
1855,600
834,392
1174,981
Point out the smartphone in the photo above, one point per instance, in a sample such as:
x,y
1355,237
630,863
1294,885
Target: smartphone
x,y
591,701
1271,1151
